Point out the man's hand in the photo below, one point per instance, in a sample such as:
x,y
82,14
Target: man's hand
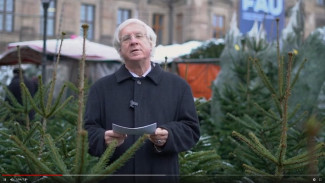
x,y
110,135
160,137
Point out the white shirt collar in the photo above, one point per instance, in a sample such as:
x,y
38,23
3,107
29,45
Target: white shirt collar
x,y
143,75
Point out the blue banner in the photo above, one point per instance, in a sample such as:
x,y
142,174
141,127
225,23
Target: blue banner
x,y
263,11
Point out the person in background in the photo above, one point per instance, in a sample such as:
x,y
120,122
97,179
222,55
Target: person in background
x,y
15,89
138,94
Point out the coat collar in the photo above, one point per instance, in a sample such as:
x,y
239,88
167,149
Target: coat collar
x,y
155,73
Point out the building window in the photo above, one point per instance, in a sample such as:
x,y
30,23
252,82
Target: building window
x,y
50,24
87,16
320,2
158,27
179,28
218,26
122,15
7,15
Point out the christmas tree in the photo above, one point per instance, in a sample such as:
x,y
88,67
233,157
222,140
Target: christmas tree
x,y
252,103
53,148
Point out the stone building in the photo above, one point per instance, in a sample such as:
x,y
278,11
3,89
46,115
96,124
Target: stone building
x,y
174,21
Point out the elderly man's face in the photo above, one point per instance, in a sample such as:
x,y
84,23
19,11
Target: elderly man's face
x,y
135,45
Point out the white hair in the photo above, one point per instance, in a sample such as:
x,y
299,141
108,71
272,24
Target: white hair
x,y
151,35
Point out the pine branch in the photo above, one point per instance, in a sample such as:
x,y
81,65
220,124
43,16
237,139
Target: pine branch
x,y
126,156
259,150
292,114
23,94
14,102
288,77
82,146
201,154
56,103
305,160
41,89
300,165
31,100
305,155
269,114
207,157
71,86
201,163
61,136
5,134
26,109
120,161
248,125
248,79
5,115
31,132
36,162
265,151
20,133
82,78
271,127
57,109
71,116
277,104
10,108
101,164
283,141
263,76
253,122
255,171
41,142
298,73
52,85
57,160
81,154
64,148
299,118
280,62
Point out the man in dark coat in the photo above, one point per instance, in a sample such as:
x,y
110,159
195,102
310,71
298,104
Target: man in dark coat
x,y
15,89
138,94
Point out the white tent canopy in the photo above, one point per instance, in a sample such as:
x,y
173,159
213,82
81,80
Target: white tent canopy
x,y
71,48
174,51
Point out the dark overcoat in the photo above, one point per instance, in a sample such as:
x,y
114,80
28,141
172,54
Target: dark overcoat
x,y
15,88
162,97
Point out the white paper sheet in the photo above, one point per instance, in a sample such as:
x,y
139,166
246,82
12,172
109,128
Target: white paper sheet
x,y
148,129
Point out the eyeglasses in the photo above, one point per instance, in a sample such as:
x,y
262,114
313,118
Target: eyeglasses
x,y
127,38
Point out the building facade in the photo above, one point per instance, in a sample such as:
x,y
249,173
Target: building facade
x,y
174,21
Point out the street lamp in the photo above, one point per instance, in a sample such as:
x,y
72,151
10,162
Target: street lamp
x,y
46,4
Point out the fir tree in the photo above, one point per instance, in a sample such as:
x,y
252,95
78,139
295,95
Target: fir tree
x,y
264,114
47,149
